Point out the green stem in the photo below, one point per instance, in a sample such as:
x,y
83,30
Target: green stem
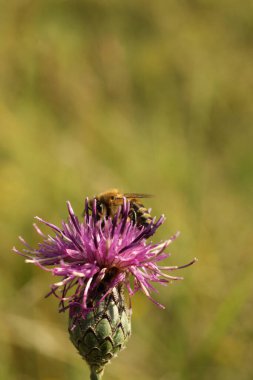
x,y
94,375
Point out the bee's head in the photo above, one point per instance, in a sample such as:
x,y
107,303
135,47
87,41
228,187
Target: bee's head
x,y
110,199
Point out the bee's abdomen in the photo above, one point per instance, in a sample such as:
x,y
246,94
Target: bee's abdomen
x,y
139,214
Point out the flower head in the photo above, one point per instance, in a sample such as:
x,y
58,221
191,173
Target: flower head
x,y
94,256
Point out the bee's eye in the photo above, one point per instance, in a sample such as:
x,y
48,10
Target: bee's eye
x,y
113,198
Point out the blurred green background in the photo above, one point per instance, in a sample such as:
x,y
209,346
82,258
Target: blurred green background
x,y
146,96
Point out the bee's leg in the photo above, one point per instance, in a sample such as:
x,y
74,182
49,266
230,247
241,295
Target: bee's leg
x,y
132,215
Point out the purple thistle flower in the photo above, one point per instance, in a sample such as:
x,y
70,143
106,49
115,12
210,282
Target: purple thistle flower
x,y
95,256
97,259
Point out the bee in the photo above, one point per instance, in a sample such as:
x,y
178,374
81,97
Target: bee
x,y
108,202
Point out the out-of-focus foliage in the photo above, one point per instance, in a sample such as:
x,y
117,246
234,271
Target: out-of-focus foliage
x,y
148,97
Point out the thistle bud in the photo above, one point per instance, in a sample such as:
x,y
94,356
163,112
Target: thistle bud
x,y
104,332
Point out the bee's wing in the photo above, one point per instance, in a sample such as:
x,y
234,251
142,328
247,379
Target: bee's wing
x,y
137,195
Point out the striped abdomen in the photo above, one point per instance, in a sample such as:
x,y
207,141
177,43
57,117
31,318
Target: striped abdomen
x,y
139,214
